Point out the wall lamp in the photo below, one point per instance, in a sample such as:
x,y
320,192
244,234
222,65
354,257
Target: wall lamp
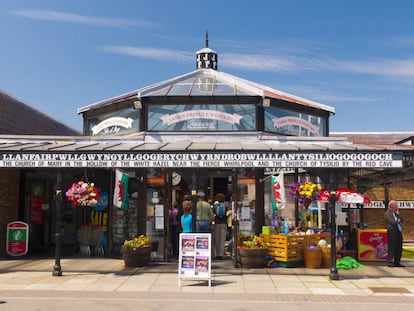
x,y
137,104
266,102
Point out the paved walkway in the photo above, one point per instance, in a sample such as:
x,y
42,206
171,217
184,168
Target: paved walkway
x,y
109,276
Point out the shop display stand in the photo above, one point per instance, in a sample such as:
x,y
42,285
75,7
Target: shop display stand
x,y
194,261
124,224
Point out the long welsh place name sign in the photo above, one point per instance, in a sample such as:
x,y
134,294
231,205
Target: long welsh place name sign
x,y
208,159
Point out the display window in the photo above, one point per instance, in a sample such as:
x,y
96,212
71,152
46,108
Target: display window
x,y
198,117
294,123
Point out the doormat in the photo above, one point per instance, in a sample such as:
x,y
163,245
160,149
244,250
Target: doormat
x,y
397,290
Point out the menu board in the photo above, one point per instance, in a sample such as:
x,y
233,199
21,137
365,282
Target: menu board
x,y
194,260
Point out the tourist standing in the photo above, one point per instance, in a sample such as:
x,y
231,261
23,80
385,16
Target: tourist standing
x,y
393,223
204,214
187,217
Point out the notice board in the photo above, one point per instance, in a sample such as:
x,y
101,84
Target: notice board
x,y
194,260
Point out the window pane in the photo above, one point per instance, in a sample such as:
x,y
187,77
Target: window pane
x,y
202,117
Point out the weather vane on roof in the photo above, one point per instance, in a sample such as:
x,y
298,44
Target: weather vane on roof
x,y
206,57
207,39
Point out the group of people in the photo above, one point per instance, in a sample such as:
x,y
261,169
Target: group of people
x,y
209,218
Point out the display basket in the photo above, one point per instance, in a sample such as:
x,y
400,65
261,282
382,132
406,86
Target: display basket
x,y
313,257
326,257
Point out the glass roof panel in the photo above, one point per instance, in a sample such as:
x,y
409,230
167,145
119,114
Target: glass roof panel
x,y
160,92
224,89
203,85
181,88
240,92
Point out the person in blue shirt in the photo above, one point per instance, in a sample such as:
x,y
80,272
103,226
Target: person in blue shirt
x,y
187,217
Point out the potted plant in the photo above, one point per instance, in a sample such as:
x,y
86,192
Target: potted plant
x,y
137,251
252,251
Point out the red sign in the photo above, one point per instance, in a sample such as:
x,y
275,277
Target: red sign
x,y
17,238
36,212
372,245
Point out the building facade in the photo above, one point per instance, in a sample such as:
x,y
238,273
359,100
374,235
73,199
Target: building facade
x,y
204,130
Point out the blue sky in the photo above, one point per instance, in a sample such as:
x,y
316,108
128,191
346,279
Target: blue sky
x,y
356,56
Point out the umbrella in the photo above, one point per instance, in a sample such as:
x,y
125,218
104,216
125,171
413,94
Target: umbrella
x,y
344,195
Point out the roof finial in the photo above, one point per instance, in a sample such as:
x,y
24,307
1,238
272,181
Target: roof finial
x,y
207,39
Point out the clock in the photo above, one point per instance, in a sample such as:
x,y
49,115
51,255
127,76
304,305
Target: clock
x,y
176,178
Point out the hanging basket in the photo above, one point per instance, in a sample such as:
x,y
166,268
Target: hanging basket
x,y
83,193
307,202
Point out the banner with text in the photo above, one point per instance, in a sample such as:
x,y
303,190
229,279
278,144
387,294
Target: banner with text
x,y
209,159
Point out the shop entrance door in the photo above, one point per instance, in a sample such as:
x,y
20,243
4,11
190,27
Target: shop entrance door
x,y
220,182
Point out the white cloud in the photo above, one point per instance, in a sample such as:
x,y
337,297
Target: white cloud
x,y
152,53
46,15
379,67
248,62
272,63
258,62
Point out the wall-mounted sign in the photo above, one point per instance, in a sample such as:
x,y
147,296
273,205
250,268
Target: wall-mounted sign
x,y
201,114
289,121
113,122
380,204
210,160
17,238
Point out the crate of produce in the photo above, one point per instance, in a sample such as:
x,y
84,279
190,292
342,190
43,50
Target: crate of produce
x,y
286,247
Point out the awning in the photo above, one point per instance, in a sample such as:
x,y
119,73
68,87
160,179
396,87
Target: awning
x,y
347,196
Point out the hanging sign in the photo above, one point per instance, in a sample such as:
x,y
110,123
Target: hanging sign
x,y
17,239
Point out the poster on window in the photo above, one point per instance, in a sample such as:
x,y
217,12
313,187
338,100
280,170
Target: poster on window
x,y
36,211
194,256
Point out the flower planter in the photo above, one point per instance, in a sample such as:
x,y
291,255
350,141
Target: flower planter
x,y
136,257
252,257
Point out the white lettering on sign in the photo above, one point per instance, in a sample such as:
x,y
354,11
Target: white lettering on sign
x,y
177,160
201,114
380,204
114,121
286,121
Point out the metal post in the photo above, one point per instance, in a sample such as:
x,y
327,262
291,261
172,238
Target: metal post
x,y
57,269
296,202
334,271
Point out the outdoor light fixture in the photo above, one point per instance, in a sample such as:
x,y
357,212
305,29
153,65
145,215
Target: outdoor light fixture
x,y
266,102
137,104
